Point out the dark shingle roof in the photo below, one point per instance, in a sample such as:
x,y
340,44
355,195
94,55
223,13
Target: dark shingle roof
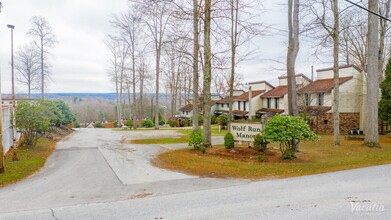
x,y
323,85
279,91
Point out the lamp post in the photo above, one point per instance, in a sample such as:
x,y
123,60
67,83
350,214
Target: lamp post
x,y
12,27
248,86
1,128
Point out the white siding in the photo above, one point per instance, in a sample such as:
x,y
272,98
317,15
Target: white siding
x,y
344,72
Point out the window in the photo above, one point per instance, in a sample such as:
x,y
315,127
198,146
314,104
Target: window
x,y
238,105
307,99
269,102
187,113
228,105
244,106
222,105
276,103
183,112
320,99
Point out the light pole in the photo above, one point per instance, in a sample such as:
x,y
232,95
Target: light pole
x,y
12,27
1,128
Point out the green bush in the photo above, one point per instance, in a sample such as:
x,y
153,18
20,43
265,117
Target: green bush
x,y
98,124
196,139
129,123
260,158
288,131
32,121
147,124
161,123
77,124
203,149
171,123
229,141
260,143
213,120
287,156
224,120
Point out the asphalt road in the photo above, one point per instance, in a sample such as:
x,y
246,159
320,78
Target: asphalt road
x,y
84,180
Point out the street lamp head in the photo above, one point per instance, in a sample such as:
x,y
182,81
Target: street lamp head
x,y
11,26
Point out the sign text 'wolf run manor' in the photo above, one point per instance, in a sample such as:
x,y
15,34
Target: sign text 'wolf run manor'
x,y
245,131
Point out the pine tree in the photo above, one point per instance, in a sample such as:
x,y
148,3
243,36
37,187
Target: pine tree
x,y
385,101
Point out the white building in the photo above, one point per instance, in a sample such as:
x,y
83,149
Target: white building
x,y
275,101
317,98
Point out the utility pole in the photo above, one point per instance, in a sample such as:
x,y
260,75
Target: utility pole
x,y
1,126
14,158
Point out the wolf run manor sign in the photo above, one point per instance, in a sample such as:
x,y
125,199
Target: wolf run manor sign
x,y
245,131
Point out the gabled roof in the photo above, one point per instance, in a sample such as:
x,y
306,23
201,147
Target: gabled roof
x,y
224,100
263,81
277,92
242,97
245,96
323,85
340,67
187,108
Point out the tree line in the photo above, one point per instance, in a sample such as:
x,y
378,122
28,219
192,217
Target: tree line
x,y
173,42
32,60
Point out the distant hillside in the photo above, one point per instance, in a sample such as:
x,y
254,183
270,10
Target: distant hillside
x,y
108,96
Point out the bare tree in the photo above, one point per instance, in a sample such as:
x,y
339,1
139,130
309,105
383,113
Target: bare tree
x,y
27,65
326,17
293,49
207,73
119,51
44,40
372,132
129,25
196,48
156,17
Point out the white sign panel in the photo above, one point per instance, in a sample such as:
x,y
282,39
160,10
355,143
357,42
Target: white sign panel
x,y
245,131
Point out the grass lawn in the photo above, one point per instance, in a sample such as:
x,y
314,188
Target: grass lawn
x,y
181,139
315,157
31,159
215,131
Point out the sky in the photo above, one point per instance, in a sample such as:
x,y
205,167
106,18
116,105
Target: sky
x,y
80,57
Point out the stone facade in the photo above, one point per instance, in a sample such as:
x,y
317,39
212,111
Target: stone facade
x,y
323,124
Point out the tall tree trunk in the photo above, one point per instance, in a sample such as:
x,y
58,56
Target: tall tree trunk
x,y
234,36
140,112
372,133
336,73
207,74
293,49
117,95
133,85
158,50
29,88
42,71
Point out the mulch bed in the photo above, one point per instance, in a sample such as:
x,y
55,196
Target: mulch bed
x,y
250,155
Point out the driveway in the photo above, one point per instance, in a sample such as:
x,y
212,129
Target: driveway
x,y
99,165
81,181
